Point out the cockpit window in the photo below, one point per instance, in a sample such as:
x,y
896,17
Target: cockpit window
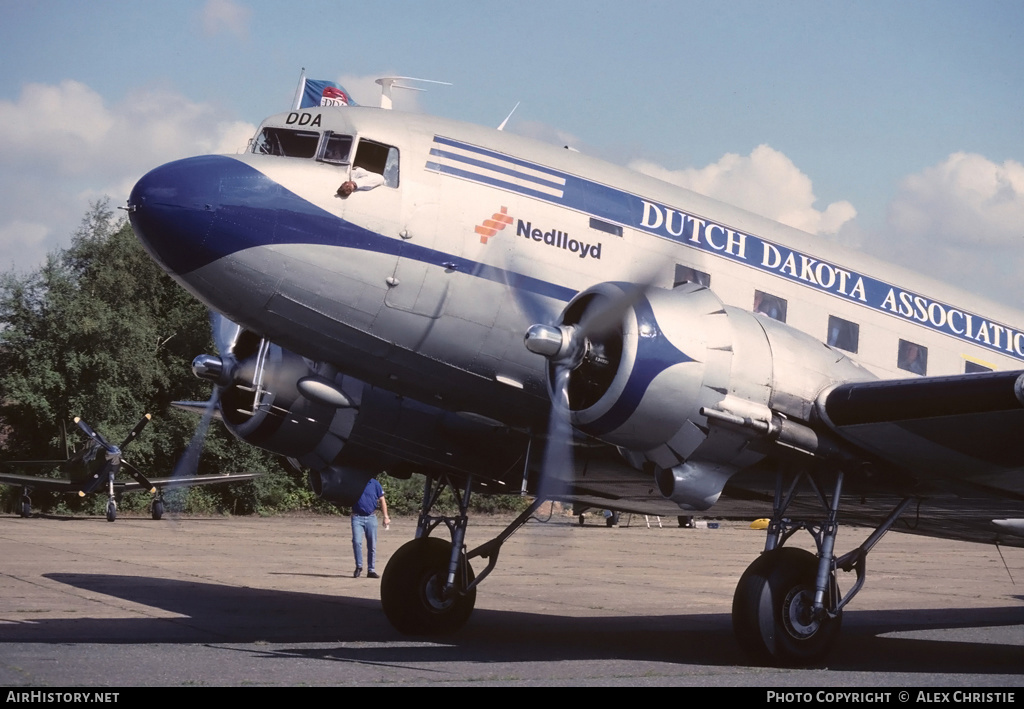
x,y
379,158
336,148
287,142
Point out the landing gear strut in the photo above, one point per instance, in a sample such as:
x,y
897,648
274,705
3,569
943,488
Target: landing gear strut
x,y
787,609
111,500
26,503
428,587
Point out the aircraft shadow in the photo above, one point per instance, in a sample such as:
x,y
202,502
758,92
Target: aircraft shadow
x,y
210,613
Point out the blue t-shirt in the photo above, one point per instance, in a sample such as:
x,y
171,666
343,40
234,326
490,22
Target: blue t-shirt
x,y
367,502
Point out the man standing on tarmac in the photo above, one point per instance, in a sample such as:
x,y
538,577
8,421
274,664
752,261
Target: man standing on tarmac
x,y
364,523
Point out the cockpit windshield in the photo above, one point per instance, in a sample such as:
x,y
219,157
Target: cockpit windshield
x,y
336,148
330,147
286,142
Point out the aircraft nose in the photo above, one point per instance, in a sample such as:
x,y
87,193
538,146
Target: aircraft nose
x,y
172,209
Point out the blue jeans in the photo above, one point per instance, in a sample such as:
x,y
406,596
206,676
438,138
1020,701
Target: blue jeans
x,y
365,526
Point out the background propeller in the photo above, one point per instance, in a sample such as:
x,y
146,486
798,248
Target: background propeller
x,y
115,454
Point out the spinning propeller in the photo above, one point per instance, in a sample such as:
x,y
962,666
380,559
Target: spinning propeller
x,y
223,371
583,352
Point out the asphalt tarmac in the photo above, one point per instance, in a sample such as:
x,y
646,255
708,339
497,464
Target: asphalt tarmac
x,y
249,601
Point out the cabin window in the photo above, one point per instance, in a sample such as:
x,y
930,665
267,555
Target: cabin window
x,y
607,228
336,148
379,158
771,305
843,334
912,357
685,274
975,368
286,142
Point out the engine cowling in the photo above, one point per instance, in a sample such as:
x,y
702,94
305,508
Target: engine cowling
x,y
664,381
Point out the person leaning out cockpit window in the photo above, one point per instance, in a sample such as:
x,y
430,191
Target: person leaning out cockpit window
x,y
360,179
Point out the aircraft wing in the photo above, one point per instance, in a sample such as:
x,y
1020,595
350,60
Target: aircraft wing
x,y
39,483
64,485
189,481
965,428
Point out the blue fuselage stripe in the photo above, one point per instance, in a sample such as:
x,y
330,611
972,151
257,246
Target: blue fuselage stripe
x,y
492,167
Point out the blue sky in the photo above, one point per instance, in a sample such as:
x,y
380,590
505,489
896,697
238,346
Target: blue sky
x,y
896,127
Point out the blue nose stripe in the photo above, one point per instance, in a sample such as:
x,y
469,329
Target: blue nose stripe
x,y
194,211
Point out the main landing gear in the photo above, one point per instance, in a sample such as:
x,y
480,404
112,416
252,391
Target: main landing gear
x,y
429,587
787,609
25,504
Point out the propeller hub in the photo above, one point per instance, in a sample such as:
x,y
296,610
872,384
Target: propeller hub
x,y
212,368
546,340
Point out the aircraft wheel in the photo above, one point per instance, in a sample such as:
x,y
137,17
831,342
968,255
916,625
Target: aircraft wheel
x,y
771,611
580,519
158,509
410,590
111,511
26,508
612,520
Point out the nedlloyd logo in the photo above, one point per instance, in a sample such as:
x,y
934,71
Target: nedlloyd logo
x,y
553,237
558,239
490,227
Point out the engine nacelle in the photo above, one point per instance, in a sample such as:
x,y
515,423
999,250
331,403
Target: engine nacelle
x,y
643,382
343,430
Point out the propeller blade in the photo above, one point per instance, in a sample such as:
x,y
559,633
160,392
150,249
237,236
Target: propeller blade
x,y
225,333
138,476
607,316
188,463
137,430
98,477
94,435
558,465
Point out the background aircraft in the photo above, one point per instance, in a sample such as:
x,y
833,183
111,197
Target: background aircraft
x,y
95,467
678,354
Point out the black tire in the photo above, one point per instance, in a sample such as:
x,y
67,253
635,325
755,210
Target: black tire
x,y
26,508
580,519
410,590
612,520
158,509
685,521
770,611
111,511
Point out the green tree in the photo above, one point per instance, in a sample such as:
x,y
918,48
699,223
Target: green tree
x,y
99,331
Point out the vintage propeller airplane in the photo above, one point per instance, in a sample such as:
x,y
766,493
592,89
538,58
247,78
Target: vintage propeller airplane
x,y
95,466
384,269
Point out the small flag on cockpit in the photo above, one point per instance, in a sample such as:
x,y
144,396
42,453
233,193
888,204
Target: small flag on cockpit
x,y
316,92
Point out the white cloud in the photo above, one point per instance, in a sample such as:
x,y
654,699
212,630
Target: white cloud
x,y
966,199
64,146
963,222
226,16
69,129
765,182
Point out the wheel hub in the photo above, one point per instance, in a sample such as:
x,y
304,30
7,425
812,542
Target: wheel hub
x,y
798,613
434,594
